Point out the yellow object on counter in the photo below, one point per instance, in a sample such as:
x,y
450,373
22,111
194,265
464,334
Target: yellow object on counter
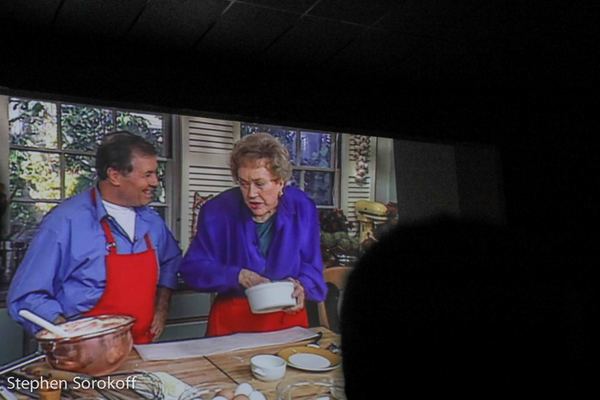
x,y
49,394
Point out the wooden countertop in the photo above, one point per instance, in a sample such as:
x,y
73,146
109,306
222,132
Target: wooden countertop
x,y
236,365
193,371
227,370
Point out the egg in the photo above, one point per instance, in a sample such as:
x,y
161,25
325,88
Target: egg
x,y
226,393
256,395
245,389
241,397
221,398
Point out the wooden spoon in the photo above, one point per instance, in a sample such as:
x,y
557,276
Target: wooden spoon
x,y
57,330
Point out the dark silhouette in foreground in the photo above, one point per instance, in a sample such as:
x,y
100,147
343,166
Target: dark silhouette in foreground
x,y
467,308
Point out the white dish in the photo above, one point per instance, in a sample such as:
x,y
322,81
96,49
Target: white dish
x,y
267,367
309,361
270,297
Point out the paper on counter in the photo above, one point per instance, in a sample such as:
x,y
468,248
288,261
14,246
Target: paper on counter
x,y
221,344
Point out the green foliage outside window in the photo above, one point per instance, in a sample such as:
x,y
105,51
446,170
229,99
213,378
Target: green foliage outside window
x,y
83,127
32,123
52,153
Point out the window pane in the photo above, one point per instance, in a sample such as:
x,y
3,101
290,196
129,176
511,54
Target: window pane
x,y
84,127
286,136
319,187
24,218
32,123
34,175
288,139
161,192
149,126
316,149
247,129
79,174
295,180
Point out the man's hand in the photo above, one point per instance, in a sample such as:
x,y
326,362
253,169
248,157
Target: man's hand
x,y
248,278
161,310
298,294
158,324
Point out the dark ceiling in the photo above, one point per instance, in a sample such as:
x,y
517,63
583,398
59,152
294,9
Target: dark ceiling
x,y
516,74
426,68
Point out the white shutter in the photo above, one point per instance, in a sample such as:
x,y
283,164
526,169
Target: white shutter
x,y
207,144
210,136
351,190
4,160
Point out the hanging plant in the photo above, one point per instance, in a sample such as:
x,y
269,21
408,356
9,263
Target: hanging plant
x,y
359,153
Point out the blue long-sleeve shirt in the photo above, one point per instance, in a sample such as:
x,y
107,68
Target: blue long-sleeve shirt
x,y
226,241
64,272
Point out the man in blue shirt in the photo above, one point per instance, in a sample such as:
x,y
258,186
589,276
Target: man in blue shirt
x,y
103,251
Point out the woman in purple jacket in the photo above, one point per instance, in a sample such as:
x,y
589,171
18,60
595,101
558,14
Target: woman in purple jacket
x,y
258,232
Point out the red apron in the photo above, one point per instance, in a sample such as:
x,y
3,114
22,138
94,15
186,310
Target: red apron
x,y
131,281
232,315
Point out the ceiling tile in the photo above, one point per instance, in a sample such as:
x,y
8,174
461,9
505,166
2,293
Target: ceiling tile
x,y
417,15
375,53
311,42
461,39
356,11
433,29
105,18
177,23
294,6
443,7
245,30
39,13
418,39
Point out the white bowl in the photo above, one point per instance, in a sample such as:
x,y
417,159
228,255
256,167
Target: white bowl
x,y
267,367
270,297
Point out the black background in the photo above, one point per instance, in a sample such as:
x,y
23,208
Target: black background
x,y
518,76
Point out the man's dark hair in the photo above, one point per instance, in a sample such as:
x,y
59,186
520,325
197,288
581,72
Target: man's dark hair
x,y
116,152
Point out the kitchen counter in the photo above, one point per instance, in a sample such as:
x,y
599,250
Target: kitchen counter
x,y
228,370
236,364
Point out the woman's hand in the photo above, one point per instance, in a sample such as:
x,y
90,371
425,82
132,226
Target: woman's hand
x,y
248,278
298,294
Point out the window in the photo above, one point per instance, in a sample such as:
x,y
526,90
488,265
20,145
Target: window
x,y
52,148
314,159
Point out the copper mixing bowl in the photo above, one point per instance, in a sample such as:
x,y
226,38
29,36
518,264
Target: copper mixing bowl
x,y
96,353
